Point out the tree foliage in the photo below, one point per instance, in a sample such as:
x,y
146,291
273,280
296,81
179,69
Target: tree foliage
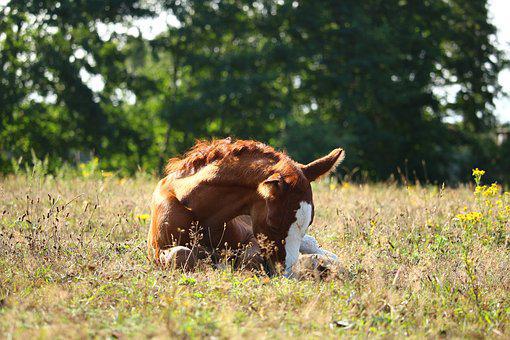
x,y
302,75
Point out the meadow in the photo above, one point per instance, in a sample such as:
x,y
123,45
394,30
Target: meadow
x,y
418,261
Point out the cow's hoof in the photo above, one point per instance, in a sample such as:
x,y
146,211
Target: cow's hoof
x,y
316,266
178,257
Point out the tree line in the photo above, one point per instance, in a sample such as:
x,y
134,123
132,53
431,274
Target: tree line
x,y
407,87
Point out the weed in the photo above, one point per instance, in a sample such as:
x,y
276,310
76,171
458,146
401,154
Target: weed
x,y
420,261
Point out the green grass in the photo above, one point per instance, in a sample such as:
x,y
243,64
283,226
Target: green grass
x,y
73,264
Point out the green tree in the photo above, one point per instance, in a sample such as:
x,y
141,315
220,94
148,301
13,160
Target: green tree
x,y
46,48
301,75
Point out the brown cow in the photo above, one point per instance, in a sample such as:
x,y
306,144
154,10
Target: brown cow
x,y
236,190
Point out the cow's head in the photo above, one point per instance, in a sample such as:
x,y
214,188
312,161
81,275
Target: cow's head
x,y
289,206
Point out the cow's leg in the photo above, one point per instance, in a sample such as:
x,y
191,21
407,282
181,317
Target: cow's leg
x,y
171,222
178,257
309,245
237,235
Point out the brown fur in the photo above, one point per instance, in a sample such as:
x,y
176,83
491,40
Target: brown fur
x,y
216,182
207,152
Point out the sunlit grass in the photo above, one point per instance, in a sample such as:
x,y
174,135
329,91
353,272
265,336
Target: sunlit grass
x,y
418,261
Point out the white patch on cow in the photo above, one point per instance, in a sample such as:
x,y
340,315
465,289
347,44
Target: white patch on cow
x,y
295,235
309,245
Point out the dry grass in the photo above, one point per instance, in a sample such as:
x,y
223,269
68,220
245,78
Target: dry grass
x,y
72,264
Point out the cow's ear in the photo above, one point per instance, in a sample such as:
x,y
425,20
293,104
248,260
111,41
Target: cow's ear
x,y
324,165
272,186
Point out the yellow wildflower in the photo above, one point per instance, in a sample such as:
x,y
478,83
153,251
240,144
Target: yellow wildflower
x,y
478,173
142,217
106,174
493,190
470,217
480,189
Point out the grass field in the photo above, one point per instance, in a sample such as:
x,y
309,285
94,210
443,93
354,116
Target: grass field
x,y
419,261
